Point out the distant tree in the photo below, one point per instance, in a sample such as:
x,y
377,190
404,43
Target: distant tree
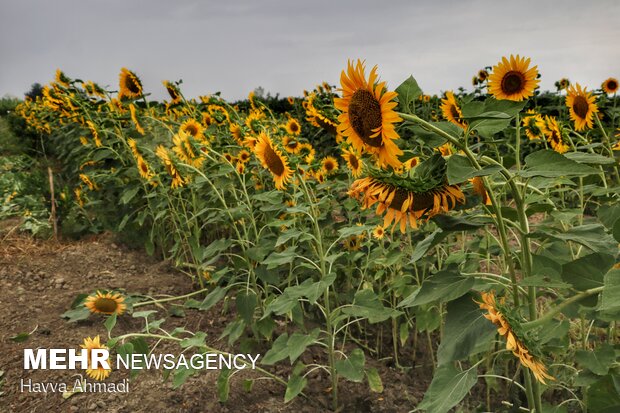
x,y
259,92
35,90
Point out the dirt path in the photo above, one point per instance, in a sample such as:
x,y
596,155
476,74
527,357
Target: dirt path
x,y
40,279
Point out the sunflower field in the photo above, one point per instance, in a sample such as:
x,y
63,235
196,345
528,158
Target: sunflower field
x,y
474,234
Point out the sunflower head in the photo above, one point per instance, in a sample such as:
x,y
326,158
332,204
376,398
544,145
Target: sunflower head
x,y
582,106
193,128
367,114
513,79
90,344
108,303
273,160
378,232
130,85
173,91
329,165
354,162
451,110
293,127
610,86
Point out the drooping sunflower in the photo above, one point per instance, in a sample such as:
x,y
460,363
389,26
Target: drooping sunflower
x,y
562,84
405,199
164,156
90,344
193,128
513,79
307,151
553,132
329,165
61,78
219,114
272,159
534,125
482,75
184,149
130,85
479,189
134,119
354,162
108,303
173,91
496,314
95,133
451,110
91,185
293,127
582,106
610,86
368,116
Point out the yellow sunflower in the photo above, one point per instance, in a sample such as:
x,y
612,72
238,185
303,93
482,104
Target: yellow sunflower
x,y
291,145
482,75
272,159
411,163
130,85
184,149
91,344
293,127
534,125
134,119
610,86
243,156
480,190
237,133
61,78
329,165
402,206
219,114
353,161
513,79
582,106
91,185
108,303
378,232
193,128
513,343
368,116
173,91
307,151
451,110
164,156
553,132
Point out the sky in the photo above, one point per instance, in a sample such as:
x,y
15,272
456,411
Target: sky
x,y
288,46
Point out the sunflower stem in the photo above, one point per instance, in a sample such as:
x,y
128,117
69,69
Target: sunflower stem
x,y
607,145
164,300
518,142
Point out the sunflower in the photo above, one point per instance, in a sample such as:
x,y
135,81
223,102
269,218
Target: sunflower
x,y
78,196
446,149
95,133
134,119
291,145
378,232
84,140
368,116
534,125
451,110
513,80
108,303
91,344
496,315
406,199
193,128
553,132
164,156
610,86
184,149
308,152
130,85
293,127
253,120
329,165
291,100
353,243
273,159
240,167
411,163
581,106
243,156
91,185
173,91
482,75
478,185
353,161
219,114
143,168
61,78
562,84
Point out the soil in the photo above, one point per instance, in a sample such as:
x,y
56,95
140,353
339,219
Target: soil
x,y
40,279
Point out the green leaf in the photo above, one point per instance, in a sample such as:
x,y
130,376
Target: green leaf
x,y
592,236
408,92
288,235
427,243
294,386
246,302
589,158
20,338
610,299
460,170
352,368
491,116
212,298
443,286
297,343
603,396
223,385
110,323
129,194
598,361
278,351
77,314
587,272
465,331
374,380
275,259
551,164
448,388
366,305
197,340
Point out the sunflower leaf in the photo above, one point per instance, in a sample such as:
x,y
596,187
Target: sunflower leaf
x,y
551,164
408,92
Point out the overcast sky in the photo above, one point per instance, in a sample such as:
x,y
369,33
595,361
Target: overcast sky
x,y
287,46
